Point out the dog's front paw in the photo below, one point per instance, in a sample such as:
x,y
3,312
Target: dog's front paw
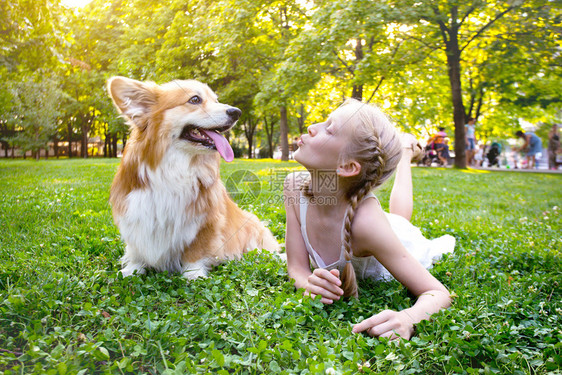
x,y
130,269
192,271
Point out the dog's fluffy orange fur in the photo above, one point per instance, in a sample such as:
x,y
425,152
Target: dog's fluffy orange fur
x,y
169,203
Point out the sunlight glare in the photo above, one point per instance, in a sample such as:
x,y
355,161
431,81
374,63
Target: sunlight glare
x,y
75,3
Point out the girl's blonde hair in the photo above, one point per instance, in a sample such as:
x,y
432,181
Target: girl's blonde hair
x,y
376,146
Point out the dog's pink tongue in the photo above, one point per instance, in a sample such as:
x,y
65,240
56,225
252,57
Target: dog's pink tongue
x,y
222,145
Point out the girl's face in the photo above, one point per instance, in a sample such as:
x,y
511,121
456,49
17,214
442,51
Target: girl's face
x,y
323,145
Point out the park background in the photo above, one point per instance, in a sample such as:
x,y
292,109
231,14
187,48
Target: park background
x,y
286,64
64,309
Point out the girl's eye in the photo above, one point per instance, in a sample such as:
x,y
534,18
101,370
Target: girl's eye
x,y
195,100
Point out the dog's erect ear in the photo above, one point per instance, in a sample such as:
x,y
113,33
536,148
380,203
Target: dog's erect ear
x,y
132,98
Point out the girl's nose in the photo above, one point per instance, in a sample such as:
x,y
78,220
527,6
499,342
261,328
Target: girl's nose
x,y
311,130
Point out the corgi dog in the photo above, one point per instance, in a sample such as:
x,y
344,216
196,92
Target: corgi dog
x,y
167,198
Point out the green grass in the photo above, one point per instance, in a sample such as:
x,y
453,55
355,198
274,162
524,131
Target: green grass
x,y
65,310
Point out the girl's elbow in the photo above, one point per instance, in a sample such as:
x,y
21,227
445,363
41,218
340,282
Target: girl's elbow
x,y
447,298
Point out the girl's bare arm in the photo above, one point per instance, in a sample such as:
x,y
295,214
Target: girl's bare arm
x,y
320,282
373,235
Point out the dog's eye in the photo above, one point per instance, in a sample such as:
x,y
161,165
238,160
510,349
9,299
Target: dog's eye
x,y
195,100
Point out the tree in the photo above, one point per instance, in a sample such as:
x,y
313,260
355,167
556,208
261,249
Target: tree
x,y
34,113
96,53
455,29
32,34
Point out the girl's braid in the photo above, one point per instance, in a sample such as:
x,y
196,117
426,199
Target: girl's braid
x,y
305,188
374,170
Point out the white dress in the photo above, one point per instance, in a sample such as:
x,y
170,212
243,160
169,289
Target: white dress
x,y
424,250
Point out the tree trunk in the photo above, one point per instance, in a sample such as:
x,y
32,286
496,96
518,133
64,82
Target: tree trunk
x,y
106,140
111,149
284,134
87,121
249,131
269,133
301,119
357,92
84,150
453,62
69,129
114,145
56,147
358,89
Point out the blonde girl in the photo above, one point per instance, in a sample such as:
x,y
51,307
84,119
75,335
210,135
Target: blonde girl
x,y
336,225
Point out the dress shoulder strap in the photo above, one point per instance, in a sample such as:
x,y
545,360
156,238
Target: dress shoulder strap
x,y
303,207
372,195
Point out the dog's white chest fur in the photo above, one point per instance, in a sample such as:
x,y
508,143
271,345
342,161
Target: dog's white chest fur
x,y
160,220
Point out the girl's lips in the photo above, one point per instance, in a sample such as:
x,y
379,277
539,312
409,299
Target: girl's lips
x,y
299,142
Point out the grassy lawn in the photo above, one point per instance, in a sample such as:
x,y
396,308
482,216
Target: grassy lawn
x,y
65,310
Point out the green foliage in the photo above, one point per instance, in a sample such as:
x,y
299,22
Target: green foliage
x,y
64,308
264,55
33,35
34,112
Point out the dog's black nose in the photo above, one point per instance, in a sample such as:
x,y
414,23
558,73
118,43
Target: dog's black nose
x,y
234,113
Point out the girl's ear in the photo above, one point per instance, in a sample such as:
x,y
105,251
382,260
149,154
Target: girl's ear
x,y
349,168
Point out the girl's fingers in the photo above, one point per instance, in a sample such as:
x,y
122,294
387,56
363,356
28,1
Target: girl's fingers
x,y
327,301
322,291
372,321
318,285
330,283
336,273
386,324
325,284
324,300
381,330
390,334
330,276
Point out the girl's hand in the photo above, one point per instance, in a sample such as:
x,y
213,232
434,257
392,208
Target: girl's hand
x,y
324,283
388,323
